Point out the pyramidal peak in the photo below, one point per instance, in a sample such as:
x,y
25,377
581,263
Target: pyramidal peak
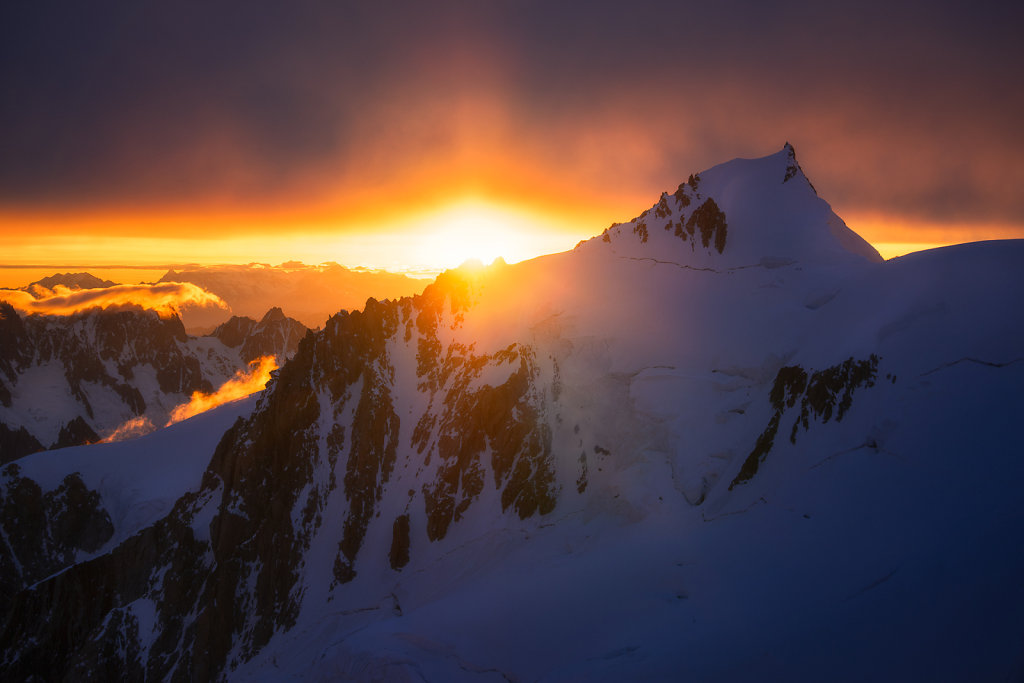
x,y
274,314
742,213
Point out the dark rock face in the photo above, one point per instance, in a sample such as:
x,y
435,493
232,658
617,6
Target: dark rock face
x,y
13,343
822,394
682,197
793,167
142,338
16,443
74,433
399,555
234,332
43,532
520,448
79,624
707,220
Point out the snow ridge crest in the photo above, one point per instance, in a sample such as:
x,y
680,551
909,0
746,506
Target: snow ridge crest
x,y
741,213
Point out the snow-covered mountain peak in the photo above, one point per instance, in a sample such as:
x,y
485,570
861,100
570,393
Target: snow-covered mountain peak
x,y
742,213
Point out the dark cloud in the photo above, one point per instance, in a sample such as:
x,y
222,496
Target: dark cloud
x,y
893,107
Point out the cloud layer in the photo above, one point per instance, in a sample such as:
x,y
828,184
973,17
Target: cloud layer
x,y
165,298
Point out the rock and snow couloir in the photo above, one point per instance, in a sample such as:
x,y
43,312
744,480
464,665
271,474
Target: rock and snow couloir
x,y
721,441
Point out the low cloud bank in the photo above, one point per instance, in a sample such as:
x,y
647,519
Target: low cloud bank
x,y
165,298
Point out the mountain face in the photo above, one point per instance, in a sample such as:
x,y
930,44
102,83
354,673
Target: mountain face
x,y
68,380
722,441
274,335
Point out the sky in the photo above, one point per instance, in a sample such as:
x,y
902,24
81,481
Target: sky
x,y
410,135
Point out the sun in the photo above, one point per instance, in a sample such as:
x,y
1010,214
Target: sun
x,y
426,240
476,229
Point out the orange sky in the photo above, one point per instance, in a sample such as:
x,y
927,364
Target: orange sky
x,y
409,137
420,237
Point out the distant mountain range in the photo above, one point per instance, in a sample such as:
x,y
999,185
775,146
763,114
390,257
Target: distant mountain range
x,y
721,441
310,294
72,281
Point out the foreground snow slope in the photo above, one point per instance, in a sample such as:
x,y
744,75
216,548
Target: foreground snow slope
x,y
723,441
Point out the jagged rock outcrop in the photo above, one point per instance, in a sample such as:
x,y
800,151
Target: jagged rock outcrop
x,y
42,533
15,443
821,394
274,335
75,433
691,216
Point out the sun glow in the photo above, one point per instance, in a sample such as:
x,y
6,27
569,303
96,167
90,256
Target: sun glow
x,y
475,229
420,238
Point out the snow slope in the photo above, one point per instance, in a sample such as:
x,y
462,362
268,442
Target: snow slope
x,y
140,480
723,441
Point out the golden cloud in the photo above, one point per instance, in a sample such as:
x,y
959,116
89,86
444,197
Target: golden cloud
x,y
165,298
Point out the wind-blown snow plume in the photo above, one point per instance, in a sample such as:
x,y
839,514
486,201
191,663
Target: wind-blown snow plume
x,y
139,426
164,298
238,387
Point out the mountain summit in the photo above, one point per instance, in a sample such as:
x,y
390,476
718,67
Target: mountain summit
x,y
741,213
723,441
